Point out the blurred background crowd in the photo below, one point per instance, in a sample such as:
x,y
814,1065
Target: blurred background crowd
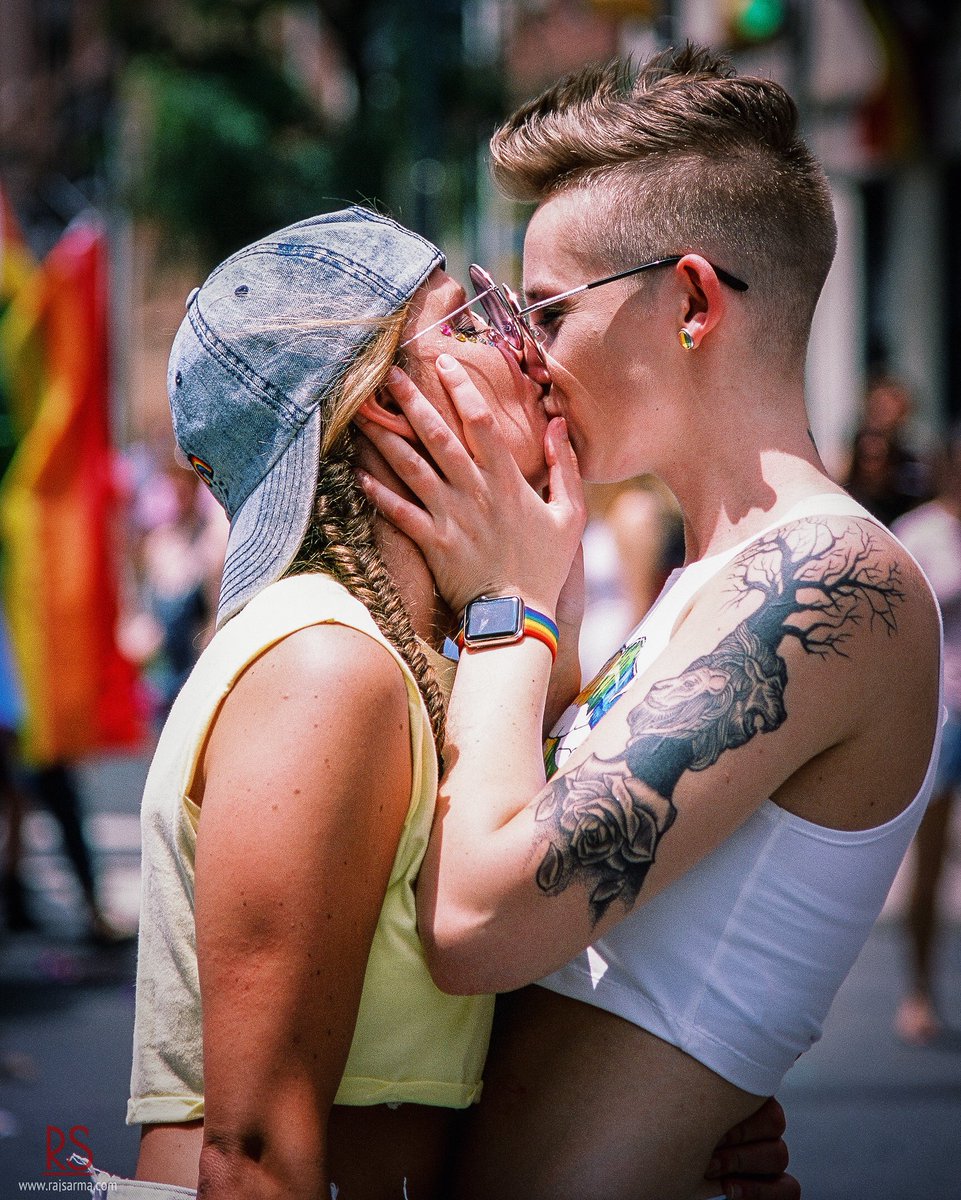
x,y
141,142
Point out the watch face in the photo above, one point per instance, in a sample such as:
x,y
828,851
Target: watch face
x,y
496,618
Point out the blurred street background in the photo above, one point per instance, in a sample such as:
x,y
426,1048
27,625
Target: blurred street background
x,y
140,143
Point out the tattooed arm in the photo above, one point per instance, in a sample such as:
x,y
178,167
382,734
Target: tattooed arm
x,y
806,673
778,682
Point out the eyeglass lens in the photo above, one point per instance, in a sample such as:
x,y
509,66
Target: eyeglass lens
x,y
494,306
504,314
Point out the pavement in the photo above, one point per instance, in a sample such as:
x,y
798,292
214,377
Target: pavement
x,y
868,1117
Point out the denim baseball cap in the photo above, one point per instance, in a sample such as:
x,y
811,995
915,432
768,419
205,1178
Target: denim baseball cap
x,y
265,340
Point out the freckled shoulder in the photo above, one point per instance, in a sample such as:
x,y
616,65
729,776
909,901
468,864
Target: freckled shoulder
x,y
330,658
319,693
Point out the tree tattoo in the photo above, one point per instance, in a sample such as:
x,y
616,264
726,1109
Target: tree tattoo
x,y
607,816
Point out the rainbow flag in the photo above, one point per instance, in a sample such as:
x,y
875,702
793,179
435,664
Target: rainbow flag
x,y
18,274
16,262
58,509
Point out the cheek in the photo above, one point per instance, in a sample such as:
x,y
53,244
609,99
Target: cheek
x,y
510,394
602,358
527,449
520,413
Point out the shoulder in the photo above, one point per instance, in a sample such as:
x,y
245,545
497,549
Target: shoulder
x,y
321,695
827,611
843,604
849,576
327,664
309,629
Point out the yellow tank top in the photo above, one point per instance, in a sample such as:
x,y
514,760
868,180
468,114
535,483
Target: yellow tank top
x,y
411,1043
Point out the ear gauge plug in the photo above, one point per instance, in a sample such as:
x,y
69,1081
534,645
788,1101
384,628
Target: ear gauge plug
x,y
687,342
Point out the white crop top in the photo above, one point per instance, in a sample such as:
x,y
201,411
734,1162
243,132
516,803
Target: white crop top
x,y
738,961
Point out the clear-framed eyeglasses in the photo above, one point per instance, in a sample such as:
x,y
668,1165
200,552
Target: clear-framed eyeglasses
x,y
671,260
505,324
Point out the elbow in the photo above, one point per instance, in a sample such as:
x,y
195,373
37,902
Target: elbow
x,y
221,1169
228,1166
237,1165
454,973
471,957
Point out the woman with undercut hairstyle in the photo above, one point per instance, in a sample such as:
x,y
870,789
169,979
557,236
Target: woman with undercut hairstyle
x,y
693,867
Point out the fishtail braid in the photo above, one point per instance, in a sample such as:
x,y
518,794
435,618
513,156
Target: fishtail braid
x,y
340,542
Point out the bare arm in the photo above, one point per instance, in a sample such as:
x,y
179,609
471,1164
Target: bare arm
x,y
796,665
307,781
523,874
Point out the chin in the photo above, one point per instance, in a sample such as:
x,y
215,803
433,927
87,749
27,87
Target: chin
x,y
593,472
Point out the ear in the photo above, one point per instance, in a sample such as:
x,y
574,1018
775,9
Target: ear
x,y
703,304
382,410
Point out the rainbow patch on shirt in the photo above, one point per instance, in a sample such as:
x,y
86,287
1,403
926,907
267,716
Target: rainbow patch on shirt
x,y
596,699
203,469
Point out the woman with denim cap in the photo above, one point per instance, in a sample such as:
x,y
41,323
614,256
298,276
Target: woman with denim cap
x,y
290,799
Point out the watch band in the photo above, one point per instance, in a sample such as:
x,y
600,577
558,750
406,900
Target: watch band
x,y
536,625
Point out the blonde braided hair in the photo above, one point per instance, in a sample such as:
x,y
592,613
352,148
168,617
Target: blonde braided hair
x,y
340,537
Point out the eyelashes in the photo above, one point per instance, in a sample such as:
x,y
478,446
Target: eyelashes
x,y
551,314
465,330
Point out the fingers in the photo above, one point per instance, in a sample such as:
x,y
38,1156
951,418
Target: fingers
x,y
407,463
768,1121
570,603
564,479
436,436
749,1159
482,434
401,513
481,521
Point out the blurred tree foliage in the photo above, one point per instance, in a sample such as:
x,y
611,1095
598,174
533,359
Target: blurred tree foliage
x,y
226,140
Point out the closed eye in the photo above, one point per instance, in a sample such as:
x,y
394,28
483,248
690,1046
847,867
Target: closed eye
x,y
468,325
546,322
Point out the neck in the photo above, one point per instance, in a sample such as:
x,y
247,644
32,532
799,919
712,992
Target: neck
x,y
738,460
430,617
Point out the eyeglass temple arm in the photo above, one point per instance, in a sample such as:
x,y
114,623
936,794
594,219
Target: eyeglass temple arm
x,y
456,312
725,277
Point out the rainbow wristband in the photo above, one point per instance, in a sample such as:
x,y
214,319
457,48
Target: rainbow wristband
x,y
536,625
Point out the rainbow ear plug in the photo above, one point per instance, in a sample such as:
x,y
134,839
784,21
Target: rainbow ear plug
x,y
685,339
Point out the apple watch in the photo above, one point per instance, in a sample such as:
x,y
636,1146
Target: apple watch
x,y
501,620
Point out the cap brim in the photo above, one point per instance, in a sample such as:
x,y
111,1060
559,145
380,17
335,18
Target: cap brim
x,y
269,527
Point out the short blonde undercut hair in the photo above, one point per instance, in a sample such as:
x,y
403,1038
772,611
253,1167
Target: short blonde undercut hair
x,y
681,154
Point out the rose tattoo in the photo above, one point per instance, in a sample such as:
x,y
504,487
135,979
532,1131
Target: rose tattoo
x,y
612,824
